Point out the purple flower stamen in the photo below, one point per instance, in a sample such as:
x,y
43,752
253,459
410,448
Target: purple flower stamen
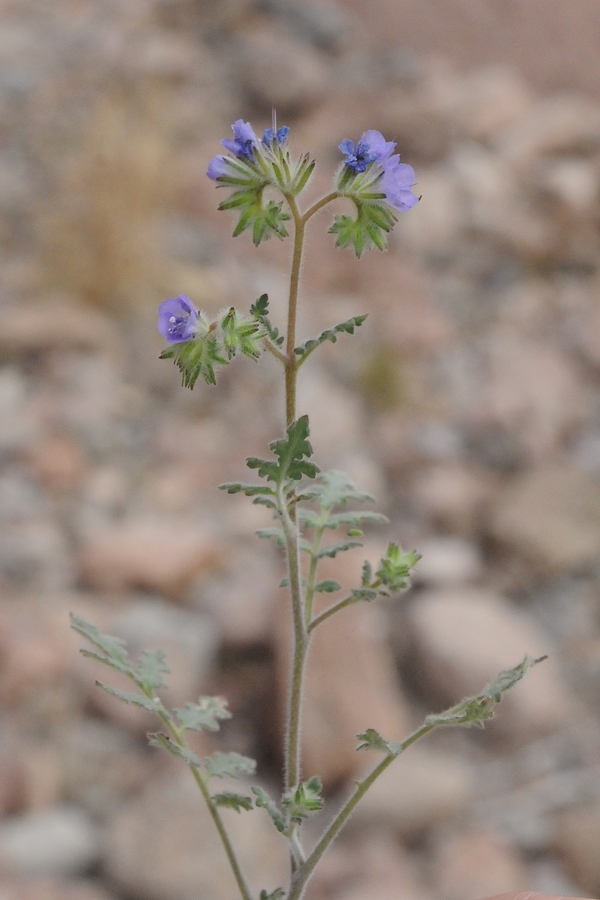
x,y
177,318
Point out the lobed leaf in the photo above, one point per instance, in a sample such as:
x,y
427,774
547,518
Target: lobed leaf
x,y
158,739
232,801
112,650
265,802
234,764
149,704
150,669
204,715
372,740
304,800
330,334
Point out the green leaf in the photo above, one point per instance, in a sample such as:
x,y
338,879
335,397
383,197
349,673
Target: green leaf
x,y
232,801
112,650
332,550
277,894
147,703
354,518
473,712
250,490
265,802
304,800
150,669
164,742
275,533
204,715
327,587
292,453
260,311
372,740
334,488
220,764
330,334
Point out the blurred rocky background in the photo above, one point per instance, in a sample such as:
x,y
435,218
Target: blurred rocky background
x,y
468,403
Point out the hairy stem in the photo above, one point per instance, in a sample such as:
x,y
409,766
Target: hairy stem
x,y
214,812
303,874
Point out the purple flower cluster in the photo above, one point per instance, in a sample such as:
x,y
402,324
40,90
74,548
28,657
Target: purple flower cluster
x,y
244,146
177,318
397,178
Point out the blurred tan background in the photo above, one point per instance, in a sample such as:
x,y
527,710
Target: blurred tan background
x,y
468,404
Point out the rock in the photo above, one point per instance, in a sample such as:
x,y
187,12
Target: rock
x,y
276,70
57,461
551,517
477,863
464,639
530,389
17,426
34,555
189,640
452,496
561,125
447,561
576,837
420,789
51,889
351,684
56,323
158,556
164,846
375,867
57,841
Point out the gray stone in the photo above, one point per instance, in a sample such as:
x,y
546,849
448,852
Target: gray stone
x,y
164,846
464,638
57,841
551,517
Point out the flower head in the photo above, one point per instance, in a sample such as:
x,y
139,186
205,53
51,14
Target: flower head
x,y
372,147
397,178
244,140
177,318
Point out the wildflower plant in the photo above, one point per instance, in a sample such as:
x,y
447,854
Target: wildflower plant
x,y
264,182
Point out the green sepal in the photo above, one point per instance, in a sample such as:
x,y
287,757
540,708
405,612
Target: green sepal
x,y
374,220
396,567
260,311
304,799
240,334
263,801
234,764
164,742
473,712
264,221
372,740
197,357
231,800
204,715
330,334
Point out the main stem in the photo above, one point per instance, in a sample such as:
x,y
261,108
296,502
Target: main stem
x,y
292,754
303,874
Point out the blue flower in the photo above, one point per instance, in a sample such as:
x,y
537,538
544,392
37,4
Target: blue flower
x,y
397,178
242,146
279,137
177,318
244,140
